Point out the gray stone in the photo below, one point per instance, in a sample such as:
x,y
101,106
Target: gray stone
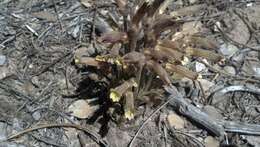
x,y
2,59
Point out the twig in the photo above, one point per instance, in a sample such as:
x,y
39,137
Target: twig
x,y
47,141
197,141
241,128
53,63
147,120
57,15
221,92
93,135
32,30
14,91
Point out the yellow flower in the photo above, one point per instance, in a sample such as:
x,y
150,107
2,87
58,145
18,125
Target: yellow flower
x,y
76,60
114,96
129,115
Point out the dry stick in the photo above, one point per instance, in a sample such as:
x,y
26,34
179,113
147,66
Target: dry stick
x,y
94,136
216,126
195,114
147,120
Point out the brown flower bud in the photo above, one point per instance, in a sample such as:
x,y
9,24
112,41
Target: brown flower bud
x,y
182,71
159,70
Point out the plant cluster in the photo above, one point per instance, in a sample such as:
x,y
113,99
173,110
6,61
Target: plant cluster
x,y
143,55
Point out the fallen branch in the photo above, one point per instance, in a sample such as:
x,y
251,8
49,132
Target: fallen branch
x,y
214,126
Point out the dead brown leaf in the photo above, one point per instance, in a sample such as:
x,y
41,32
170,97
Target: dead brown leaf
x,y
45,15
175,121
86,3
81,109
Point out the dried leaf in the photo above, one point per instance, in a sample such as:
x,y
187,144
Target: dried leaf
x,y
86,3
45,15
211,142
175,121
81,109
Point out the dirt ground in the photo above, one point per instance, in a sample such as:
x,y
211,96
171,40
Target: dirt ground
x,y
46,99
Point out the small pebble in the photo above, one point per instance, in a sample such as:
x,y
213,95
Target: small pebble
x,y
230,70
3,132
228,49
36,115
2,59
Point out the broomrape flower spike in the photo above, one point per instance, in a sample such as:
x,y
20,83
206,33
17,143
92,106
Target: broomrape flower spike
x,y
116,93
129,115
143,49
129,105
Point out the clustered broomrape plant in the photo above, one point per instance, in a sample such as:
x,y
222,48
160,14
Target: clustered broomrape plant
x,y
144,50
